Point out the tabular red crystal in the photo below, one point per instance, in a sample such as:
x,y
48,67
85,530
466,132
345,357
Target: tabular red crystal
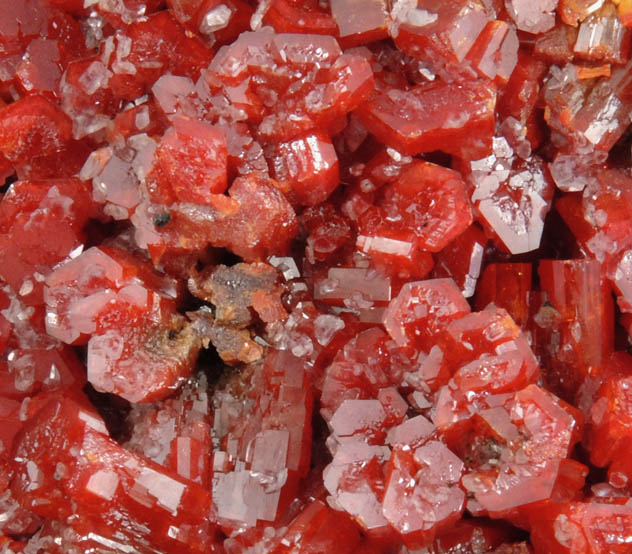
x,y
400,258
507,286
221,22
573,324
40,69
360,23
521,93
599,222
582,527
107,298
427,203
360,370
440,32
609,421
533,17
363,290
355,478
421,310
17,521
30,210
495,52
269,77
512,196
66,464
329,233
482,352
462,260
316,527
189,163
264,452
31,127
309,164
457,118
290,16
83,292
421,495
532,432
150,47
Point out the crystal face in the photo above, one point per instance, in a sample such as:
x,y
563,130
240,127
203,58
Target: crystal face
x,y
315,276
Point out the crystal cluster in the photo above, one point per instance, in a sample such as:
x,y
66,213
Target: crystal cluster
x,y
315,276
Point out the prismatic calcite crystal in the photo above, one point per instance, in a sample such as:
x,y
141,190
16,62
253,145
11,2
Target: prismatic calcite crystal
x,y
315,276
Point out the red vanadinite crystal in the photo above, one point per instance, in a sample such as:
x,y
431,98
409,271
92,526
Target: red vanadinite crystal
x,y
305,277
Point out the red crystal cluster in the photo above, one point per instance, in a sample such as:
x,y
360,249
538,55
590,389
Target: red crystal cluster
x,y
315,276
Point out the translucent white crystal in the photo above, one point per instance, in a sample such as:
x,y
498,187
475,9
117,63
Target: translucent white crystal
x,y
103,483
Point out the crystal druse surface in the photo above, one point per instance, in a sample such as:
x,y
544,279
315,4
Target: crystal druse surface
x,y
315,276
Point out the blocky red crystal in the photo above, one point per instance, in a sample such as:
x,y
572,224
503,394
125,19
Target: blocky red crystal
x,y
574,337
189,164
263,452
64,461
126,314
457,118
32,127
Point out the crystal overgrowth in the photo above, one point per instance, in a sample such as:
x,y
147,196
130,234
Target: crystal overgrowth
x,y
345,276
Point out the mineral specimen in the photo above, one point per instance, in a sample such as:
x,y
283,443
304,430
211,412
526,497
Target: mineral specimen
x,y
315,276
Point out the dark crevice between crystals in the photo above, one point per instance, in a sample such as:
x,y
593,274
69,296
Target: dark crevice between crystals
x,y
212,366
97,232
320,431
7,183
114,411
